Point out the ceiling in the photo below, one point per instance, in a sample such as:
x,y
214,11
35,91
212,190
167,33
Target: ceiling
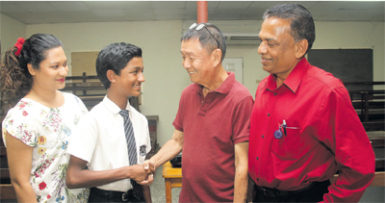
x,y
38,12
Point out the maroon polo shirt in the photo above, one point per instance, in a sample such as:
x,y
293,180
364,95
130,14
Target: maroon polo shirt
x,y
211,127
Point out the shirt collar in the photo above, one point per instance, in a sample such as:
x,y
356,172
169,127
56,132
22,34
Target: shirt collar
x,y
294,79
111,106
224,88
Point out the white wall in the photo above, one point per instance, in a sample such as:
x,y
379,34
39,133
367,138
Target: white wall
x,y
165,76
10,30
252,70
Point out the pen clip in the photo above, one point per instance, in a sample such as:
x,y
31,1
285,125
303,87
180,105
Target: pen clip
x,y
284,126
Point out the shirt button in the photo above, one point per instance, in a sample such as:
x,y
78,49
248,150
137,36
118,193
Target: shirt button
x,y
263,136
257,179
275,94
268,114
257,158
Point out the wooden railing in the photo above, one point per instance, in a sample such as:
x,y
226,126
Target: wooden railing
x,y
7,193
88,88
368,98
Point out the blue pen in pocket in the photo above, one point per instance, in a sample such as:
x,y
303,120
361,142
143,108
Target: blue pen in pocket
x,y
282,127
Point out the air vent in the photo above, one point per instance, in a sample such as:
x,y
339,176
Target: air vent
x,y
241,39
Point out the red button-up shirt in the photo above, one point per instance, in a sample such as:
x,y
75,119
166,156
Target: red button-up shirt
x,y
323,134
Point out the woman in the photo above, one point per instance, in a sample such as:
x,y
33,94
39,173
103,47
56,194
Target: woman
x,y
37,129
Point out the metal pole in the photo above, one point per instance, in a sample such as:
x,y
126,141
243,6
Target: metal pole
x,y
202,14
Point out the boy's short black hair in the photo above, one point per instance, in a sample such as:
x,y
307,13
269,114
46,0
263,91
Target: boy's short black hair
x,y
115,57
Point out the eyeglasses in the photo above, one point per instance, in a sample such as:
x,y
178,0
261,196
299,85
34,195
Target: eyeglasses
x,y
200,26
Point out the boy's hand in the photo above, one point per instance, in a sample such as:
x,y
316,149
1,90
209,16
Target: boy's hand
x,y
149,168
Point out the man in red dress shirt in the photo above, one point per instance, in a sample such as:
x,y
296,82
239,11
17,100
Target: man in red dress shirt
x,y
303,127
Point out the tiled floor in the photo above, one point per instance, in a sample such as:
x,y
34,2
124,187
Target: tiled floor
x,y
158,189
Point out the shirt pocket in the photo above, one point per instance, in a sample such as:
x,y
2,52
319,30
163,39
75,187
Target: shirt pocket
x,y
290,145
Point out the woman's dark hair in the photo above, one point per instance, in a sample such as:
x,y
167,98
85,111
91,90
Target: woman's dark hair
x,y
302,23
115,57
15,79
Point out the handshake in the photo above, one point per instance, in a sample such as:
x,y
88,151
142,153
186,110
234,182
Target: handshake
x,y
143,174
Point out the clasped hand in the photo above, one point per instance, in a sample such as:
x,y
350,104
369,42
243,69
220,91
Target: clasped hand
x,y
143,173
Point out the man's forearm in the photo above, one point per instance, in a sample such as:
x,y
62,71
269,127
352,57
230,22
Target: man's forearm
x,y
167,152
240,186
241,172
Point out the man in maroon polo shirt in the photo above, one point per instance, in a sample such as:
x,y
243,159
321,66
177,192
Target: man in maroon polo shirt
x,y
212,123
303,127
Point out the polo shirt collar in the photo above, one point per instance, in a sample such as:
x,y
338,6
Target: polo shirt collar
x,y
111,106
225,87
293,80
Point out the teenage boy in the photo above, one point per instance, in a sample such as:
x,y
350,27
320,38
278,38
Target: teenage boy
x,y
113,139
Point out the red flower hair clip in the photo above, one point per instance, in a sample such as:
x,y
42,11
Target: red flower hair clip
x,y
19,45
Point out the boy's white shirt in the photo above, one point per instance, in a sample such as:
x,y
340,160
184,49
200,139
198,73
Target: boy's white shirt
x,y
100,140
